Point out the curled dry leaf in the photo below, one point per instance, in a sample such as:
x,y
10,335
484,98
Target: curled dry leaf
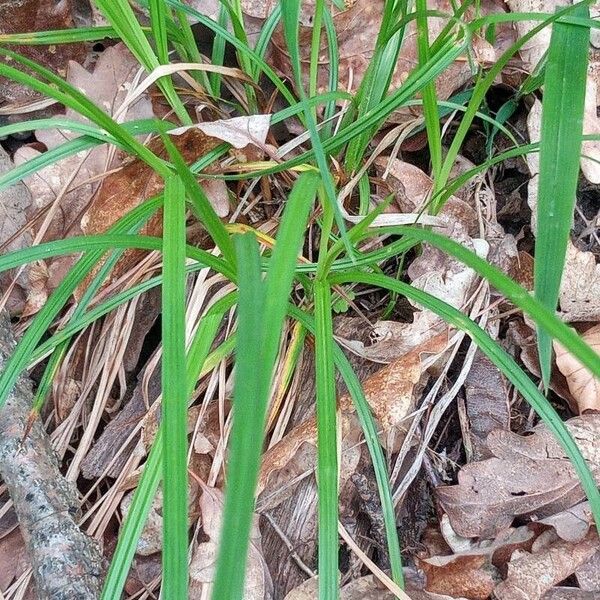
x,y
584,386
438,274
531,575
527,476
238,131
258,584
390,393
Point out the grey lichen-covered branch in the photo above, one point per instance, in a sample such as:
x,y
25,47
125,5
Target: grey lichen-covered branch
x,y
66,563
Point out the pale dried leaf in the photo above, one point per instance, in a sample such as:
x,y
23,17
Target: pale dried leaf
x,y
580,286
258,584
573,524
150,540
588,574
412,188
238,131
15,203
584,386
531,575
390,393
528,476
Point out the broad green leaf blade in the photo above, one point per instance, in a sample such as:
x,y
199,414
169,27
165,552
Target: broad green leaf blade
x,y
174,395
560,149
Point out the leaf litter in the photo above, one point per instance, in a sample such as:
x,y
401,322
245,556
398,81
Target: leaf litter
x,y
493,485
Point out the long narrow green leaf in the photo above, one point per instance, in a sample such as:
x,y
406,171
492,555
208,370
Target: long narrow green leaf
x,y
327,464
105,242
560,149
513,291
64,92
200,203
174,395
370,430
268,312
20,357
133,525
251,388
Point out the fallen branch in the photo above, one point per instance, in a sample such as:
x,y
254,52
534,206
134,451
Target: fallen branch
x,y
66,563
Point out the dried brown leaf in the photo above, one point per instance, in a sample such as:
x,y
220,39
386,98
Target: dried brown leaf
x,y
573,524
412,188
122,191
531,575
390,393
588,574
357,26
13,558
472,576
25,16
486,402
584,386
258,584
528,476
15,202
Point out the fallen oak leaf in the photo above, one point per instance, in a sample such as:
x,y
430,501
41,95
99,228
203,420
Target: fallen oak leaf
x,y
584,386
572,524
531,575
136,182
412,188
475,571
238,131
258,584
527,476
390,393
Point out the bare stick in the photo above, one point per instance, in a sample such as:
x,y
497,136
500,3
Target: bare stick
x,y
67,564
